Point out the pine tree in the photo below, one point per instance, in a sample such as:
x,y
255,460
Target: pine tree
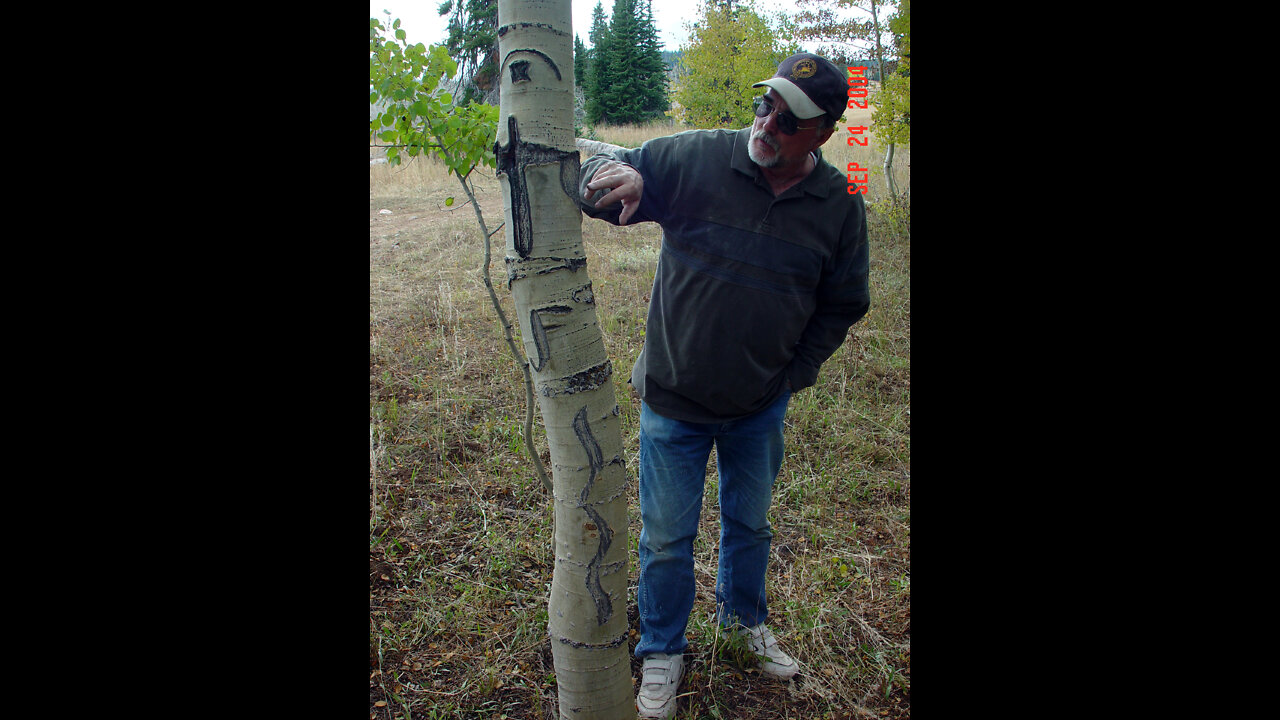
x,y
654,101
617,95
598,66
580,61
473,43
626,82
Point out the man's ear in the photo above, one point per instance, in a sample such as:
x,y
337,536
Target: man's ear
x,y
822,136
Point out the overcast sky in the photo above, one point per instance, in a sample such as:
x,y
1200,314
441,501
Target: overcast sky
x,y
421,22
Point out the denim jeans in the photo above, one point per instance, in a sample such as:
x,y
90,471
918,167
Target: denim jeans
x,y
673,461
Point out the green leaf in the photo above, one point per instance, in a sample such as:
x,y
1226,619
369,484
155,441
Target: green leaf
x,y
448,201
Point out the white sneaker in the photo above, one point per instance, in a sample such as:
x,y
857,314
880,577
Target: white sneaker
x,y
659,679
773,661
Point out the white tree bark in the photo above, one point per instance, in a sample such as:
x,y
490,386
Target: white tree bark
x,y
538,169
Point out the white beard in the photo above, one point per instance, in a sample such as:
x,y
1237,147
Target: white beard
x,y
755,154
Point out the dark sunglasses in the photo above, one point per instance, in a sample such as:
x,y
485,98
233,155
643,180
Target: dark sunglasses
x,y
787,123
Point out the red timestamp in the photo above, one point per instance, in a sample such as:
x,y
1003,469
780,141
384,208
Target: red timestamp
x,y
857,99
857,87
857,183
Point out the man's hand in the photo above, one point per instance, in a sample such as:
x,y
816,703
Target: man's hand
x,y
626,184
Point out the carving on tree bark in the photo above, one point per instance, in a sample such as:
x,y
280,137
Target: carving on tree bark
x,y
512,160
538,167
581,428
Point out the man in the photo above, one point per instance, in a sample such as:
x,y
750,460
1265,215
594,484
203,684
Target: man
x,y
762,271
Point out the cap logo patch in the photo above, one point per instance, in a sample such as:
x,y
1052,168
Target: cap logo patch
x,y
803,69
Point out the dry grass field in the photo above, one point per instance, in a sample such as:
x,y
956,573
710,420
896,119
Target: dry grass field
x,y
460,528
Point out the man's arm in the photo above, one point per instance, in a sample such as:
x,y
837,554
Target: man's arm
x,y
621,183
617,187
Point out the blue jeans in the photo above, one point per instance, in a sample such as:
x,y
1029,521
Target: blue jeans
x,y
673,461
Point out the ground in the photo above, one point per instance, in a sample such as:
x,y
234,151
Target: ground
x,y
460,527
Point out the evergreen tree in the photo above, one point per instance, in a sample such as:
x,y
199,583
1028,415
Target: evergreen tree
x,y
653,93
626,80
598,64
473,43
579,62
617,98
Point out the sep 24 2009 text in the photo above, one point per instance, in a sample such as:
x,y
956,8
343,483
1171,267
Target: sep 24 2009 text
x,y
857,99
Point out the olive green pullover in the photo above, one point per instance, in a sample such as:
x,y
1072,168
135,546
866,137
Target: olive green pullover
x,y
752,292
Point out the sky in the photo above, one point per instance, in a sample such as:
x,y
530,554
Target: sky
x,y
421,23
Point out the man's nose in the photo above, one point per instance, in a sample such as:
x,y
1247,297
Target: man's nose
x,y
771,122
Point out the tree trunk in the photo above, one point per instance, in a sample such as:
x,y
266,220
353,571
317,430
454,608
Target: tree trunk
x,y
888,156
538,169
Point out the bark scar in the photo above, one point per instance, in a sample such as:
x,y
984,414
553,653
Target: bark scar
x,y
595,458
520,71
539,53
512,160
539,330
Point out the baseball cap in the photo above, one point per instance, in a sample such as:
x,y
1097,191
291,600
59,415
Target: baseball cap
x,y
811,85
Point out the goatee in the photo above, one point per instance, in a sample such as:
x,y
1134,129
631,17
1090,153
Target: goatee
x,y
755,155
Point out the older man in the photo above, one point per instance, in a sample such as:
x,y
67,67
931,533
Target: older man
x,y
762,271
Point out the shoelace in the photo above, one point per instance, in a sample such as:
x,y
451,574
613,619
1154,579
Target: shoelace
x,y
765,645
763,640
657,673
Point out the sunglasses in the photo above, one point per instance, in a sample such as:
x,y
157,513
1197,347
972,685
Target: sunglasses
x,y
787,123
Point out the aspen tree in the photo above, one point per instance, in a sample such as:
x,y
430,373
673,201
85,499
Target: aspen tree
x,y
538,169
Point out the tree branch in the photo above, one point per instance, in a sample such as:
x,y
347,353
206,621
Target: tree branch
x,y
511,343
502,318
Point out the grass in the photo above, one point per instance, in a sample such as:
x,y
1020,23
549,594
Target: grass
x,y
460,528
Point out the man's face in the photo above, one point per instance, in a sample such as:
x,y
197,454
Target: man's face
x,y
771,148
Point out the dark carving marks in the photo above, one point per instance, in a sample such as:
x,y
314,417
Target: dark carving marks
x,y
539,53
570,264
502,31
595,458
539,330
570,170
509,163
583,295
512,160
518,269
588,379
600,646
520,71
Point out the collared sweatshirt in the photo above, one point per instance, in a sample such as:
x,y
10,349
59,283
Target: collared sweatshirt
x,y
752,292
